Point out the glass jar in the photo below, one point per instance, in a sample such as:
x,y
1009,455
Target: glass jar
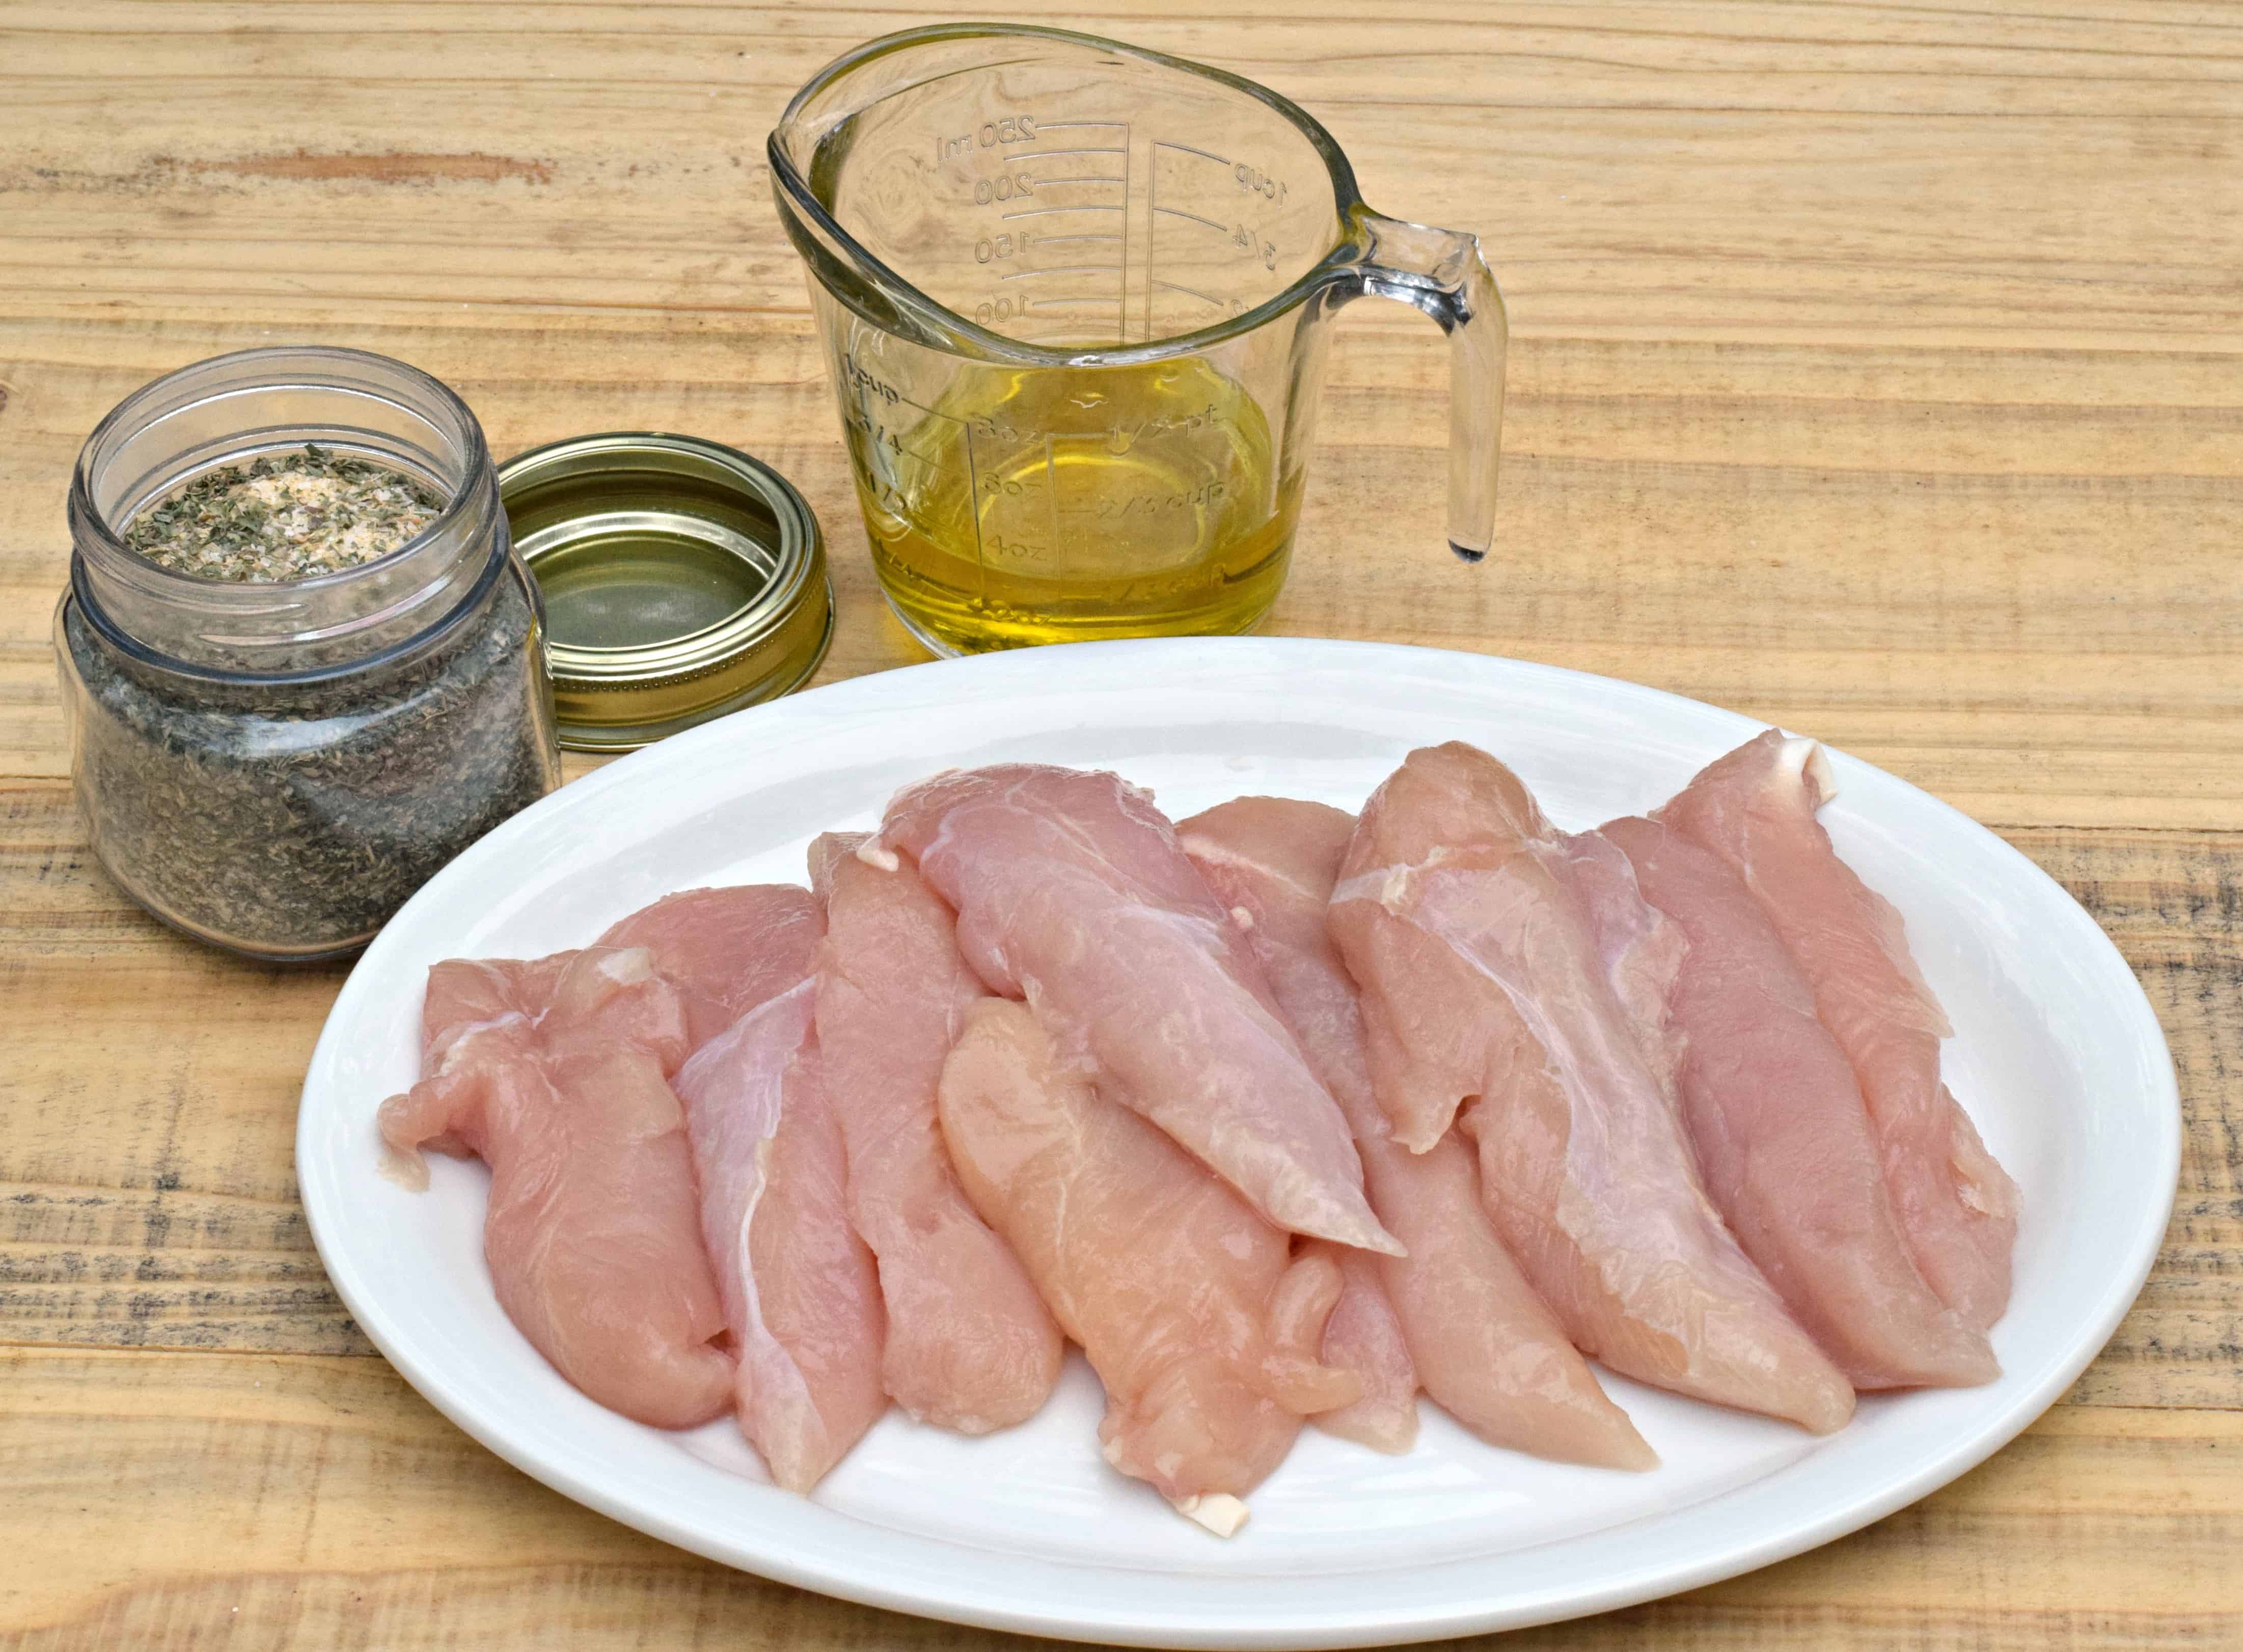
x,y
274,768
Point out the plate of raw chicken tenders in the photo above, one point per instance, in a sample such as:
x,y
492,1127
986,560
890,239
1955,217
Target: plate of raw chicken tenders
x,y
1241,1143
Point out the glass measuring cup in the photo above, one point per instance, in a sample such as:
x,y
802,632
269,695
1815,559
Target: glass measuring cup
x,y
1075,299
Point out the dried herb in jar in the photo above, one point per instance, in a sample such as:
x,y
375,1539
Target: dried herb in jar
x,y
283,516
301,673
293,819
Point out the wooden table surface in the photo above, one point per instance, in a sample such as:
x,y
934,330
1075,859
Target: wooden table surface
x,y
1875,370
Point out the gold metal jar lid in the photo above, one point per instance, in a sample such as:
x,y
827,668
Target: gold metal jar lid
x,y
683,579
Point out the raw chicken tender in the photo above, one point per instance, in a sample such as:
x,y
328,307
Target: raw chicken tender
x,y
1071,892
1481,979
799,1292
969,1345
1364,1337
725,949
1203,1329
795,1280
553,1072
1755,809
1642,950
1481,1340
1783,1141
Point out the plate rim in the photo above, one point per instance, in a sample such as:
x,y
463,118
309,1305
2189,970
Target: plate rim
x,y
1382,1624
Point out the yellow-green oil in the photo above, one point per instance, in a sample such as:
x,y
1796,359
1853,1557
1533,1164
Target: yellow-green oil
x,y
1055,505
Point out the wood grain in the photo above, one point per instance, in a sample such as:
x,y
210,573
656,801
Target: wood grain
x,y
1876,370
163,1500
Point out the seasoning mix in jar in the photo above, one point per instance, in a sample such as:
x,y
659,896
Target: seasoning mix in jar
x,y
301,665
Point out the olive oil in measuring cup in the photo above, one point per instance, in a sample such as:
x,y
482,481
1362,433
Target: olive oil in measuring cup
x,y
1035,506
1075,297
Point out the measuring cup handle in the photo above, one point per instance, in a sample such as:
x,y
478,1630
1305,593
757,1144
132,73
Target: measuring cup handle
x,y
1442,272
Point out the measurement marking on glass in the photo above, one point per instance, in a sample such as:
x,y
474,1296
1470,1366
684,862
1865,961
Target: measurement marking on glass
x,y
974,512
1077,126
1122,281
1042,212
1152,244
872,423
1047,154
1054,240
1193,292
1162,142
1060,269
1051,183
927,459
1178,212
1155,208
1051,490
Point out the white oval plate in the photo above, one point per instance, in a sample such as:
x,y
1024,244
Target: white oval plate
x,y
2056,1056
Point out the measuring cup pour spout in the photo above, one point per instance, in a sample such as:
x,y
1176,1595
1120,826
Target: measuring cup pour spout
x,y
1076,299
